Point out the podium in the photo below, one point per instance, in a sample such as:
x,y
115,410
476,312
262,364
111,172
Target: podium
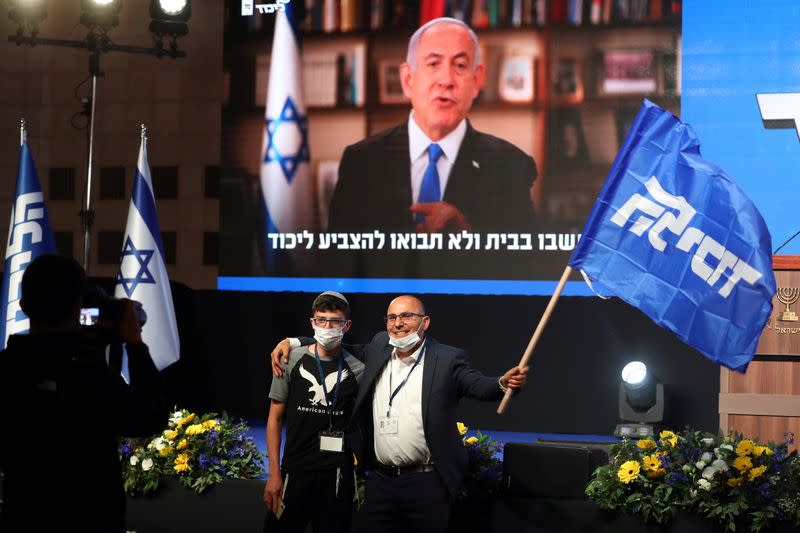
x,y
764,402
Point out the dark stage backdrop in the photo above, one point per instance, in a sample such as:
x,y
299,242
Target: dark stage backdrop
x,y
574,376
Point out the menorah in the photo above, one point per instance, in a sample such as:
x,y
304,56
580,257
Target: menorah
x,y
788,296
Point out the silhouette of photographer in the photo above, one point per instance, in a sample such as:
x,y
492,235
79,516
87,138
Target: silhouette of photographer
x,y
64,408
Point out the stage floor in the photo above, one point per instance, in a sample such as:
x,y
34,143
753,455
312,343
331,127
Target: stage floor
x,y
258,432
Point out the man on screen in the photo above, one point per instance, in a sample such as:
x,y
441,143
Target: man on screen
x,y
435,173
406,420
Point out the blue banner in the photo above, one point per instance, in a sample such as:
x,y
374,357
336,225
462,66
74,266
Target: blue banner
x,y
672,235
29,236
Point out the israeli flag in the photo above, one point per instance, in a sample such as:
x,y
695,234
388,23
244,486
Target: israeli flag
x,y
674,236
286,180
29,236
142,271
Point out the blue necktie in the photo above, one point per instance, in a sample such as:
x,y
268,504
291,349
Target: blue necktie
x,y
430,190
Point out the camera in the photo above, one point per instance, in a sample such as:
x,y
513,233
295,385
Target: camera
x,y
99,306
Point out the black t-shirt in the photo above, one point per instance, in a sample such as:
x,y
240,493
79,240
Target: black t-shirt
x,y
307,410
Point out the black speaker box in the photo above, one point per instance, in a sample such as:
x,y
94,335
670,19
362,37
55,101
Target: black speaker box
x,y
558,470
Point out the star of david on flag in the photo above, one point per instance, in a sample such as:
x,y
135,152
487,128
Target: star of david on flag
x,y
289,159
142,270
133,267
286,181
29,236
674,236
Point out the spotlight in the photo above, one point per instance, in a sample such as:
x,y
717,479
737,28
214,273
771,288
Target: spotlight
x,y
27,12
101,14
170,17
641,401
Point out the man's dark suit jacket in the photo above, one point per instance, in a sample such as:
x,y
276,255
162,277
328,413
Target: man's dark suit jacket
x,y
446,378
490,183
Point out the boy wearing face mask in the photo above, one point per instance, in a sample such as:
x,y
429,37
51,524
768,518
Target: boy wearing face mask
x,y
315,396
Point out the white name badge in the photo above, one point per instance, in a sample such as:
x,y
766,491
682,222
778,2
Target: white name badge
x,y
331,441
388,425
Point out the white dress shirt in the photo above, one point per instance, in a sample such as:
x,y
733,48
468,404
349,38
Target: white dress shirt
x,y
418,144
408,445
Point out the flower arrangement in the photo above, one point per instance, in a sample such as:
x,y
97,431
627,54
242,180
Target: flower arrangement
x,y
200,451
729,479
485,466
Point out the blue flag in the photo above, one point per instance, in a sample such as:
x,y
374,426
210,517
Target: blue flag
x,y
143,272
673,235
29,236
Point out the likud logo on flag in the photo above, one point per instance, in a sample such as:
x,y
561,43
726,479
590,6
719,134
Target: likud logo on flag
x,y
285,174
29,236
673,235
143,272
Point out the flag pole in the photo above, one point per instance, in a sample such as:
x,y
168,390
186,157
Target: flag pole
x,y
538,333
23,132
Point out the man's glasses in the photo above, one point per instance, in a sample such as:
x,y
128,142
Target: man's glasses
x,y
335,322
404,317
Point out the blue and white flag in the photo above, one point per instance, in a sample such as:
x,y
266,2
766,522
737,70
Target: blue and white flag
x,y
286,180
29,236
142,270
673,235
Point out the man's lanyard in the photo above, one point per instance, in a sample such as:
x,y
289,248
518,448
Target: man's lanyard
x,y
393,394
330,405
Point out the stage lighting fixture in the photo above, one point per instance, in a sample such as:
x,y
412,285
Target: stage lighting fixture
x,y
27,12
641,401
170,17
101,14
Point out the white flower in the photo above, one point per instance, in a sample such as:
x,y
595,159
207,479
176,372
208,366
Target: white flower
x,y
158,443
704,484
720,465
176,417
727,447
706,457
147,464
700,465
692,493
709,472
708,441
134,460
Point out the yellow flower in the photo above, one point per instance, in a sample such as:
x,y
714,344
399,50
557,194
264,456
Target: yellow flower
x,y
656,473
742,464
211,424
462,429
651,462
172,435
758,451
470,441
757,471
182,444
628,472
646,444
188,418
668,437
165,451
182,463
745,447
195,429
734,482
355,460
